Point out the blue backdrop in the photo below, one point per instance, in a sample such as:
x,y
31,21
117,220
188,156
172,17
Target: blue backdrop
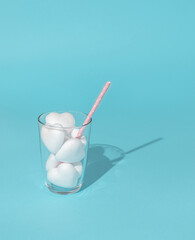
x,y
57,55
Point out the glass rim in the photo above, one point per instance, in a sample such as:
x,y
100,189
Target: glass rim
x,y
52,126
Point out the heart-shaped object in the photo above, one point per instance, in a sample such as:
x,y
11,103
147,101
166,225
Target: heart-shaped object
x,y
52,137
82,137
65,119
65,175
51,162
71,151
79,167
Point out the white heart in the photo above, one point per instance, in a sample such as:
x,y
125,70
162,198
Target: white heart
x,y
65,175
52,137
71,151
52,118
51,162
79,167
82,137
65,119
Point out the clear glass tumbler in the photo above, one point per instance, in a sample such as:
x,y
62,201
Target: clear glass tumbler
x,y
63,156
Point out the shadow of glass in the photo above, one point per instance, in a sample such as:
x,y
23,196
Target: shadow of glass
x,y
103,157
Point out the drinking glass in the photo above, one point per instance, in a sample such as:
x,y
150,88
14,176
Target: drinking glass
x,y
64,178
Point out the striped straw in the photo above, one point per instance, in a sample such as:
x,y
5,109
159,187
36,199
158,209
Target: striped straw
x,y
97,102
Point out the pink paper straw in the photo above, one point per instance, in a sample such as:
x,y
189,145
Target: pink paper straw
x,y
97,102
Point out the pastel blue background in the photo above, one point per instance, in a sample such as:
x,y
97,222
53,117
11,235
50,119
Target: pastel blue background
x,y
57,55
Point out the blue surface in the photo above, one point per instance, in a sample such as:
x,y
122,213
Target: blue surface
x,y
58,55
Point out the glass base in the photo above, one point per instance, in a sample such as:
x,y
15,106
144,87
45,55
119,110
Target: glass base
x,y
63,191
